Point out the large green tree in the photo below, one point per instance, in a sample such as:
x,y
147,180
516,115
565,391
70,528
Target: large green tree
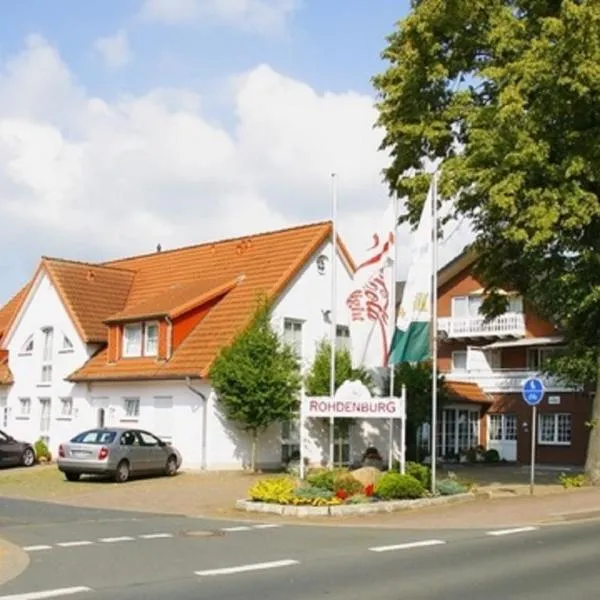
x,y
257,379
505,94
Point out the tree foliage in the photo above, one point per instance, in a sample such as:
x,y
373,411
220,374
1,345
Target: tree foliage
x,y
257,378
505,94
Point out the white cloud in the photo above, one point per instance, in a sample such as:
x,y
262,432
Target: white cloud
x,y
114,50
85,178
261,16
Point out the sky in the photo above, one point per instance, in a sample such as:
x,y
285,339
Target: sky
x,y
128,123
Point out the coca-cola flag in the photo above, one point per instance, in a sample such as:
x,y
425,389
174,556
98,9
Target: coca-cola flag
x,y
370,300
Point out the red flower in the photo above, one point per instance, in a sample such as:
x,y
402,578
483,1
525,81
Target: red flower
x,y
369,490
341,494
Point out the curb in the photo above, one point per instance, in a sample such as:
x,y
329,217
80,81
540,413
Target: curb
x,y
351,509
569,517
13,561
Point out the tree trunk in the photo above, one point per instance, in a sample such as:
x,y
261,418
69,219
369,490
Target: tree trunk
x,y
253,449
592,463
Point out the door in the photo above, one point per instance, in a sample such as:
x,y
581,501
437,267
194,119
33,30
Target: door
x,y
155,454
10,450
502,435
163,418
131,449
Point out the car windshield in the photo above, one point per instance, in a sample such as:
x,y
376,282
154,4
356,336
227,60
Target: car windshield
x,y
95,436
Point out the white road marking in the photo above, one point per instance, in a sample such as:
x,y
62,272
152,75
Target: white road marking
x,y
511,531
266,526
36,548
245,568
111,540
47,594
241,528
73,544
156,536
407,546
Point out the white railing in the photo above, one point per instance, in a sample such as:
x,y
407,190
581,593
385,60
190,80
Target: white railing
x,y
509,325
506,380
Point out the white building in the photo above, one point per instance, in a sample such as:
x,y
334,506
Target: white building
x,y
130,343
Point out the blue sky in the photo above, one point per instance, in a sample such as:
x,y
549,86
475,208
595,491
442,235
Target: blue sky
x,y
127,123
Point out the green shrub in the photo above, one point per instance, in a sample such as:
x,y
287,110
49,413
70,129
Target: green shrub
x,y
348,484
450,487
491,456
399,487
571,481
420,472
359,499
310,492
322,478
278,490
41,450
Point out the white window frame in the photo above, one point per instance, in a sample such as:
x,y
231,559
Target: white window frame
x,y
66,408
45,416
147,325
295,327
289,438
556,418
67,345
502,430
24,402
338,444
131,408
135,352
28,346
455,353
47,354
4,412
342,338
537,355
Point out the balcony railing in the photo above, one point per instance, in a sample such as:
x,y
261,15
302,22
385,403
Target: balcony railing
x,y
506,380
507,325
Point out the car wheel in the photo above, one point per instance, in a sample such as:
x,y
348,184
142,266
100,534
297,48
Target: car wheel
x,y
28,457
171,467
72,476
122,472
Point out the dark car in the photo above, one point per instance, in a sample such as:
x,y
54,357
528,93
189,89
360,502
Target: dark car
x,y
14,453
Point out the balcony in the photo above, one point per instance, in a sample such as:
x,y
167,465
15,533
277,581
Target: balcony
x,y
498,381
509,325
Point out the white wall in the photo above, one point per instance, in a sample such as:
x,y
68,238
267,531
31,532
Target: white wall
x,y
43,308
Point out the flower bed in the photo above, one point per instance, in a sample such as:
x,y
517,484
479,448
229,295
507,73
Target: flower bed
x,y
337,492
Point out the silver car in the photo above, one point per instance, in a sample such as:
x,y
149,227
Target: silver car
x,y
118,453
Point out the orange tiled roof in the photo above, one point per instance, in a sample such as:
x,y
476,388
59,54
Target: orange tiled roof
x,y
267,261
11,307
468,391
6,377
176,300
90,293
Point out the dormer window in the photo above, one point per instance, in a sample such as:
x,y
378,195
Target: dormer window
x,y
28,346
140,339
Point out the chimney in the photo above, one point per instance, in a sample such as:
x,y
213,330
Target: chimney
x,y
158,248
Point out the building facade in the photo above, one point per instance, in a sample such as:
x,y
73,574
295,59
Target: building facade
x,y
130,343
498,355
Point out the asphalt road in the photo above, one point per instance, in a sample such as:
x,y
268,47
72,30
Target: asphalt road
x,y
97,554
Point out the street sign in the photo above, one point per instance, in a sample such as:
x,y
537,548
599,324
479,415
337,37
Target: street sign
x,y
533,391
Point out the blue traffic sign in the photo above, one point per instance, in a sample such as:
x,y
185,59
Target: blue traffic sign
x,y
533,391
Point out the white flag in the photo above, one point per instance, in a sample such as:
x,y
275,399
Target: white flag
x,y
369,302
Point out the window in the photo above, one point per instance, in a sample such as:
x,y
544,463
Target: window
x,y
132,408
3,413
24,408
151,339
129,438
342,337
95,436
66,408
45,411
27,347
290,440
148,439
459,360
537,356
48,333
341,448
292,335
502,428
465,307
555,429
132,340
67,344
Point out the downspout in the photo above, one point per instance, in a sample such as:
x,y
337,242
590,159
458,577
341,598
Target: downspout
x,y
188,383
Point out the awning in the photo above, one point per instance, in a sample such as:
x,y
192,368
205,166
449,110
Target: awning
x,y
525,342
467,391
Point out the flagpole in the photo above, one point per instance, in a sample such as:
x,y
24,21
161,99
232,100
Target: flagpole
x,y
333,316
434,328
392,328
